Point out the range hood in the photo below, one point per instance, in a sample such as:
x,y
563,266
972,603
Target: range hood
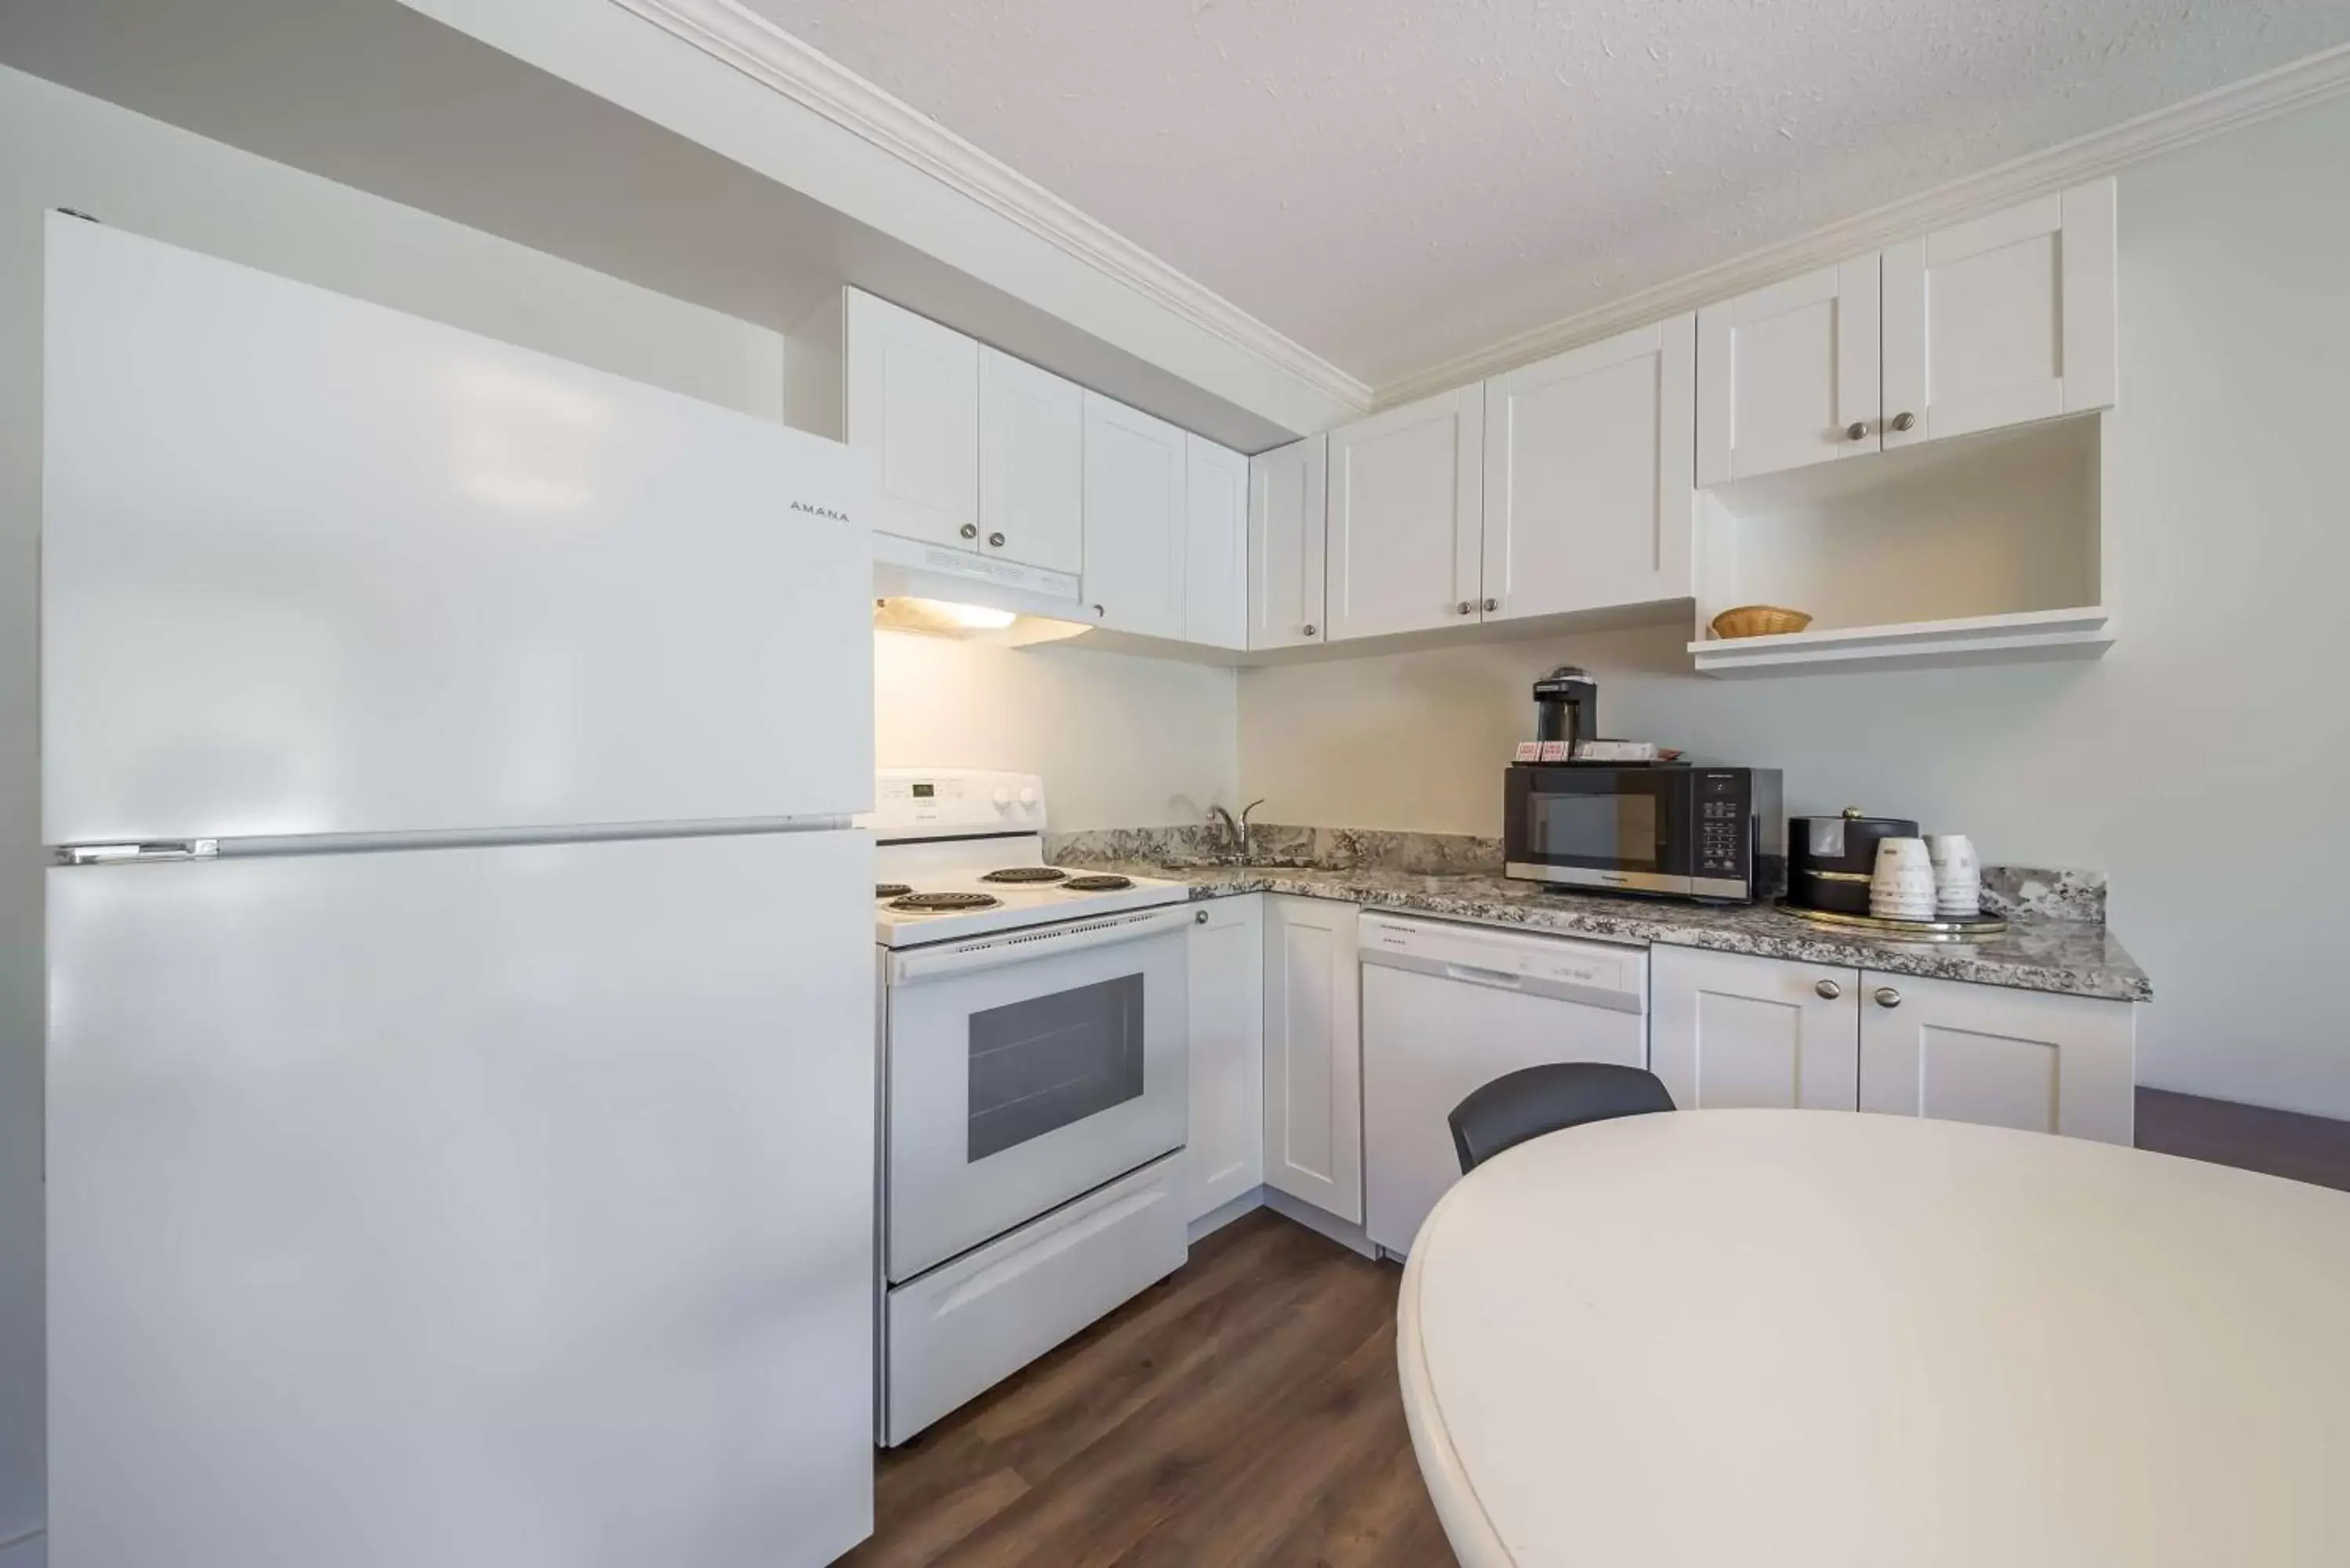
x,y
913,583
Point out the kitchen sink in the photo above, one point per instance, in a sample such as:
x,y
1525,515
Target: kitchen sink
x,y
1236,863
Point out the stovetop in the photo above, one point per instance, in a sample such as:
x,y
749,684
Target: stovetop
x,y
984,907
977,839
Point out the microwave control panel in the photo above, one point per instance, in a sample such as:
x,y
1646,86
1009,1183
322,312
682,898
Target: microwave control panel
x,y
1722,813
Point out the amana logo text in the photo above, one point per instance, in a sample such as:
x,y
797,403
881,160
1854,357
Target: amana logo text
x,y
819,512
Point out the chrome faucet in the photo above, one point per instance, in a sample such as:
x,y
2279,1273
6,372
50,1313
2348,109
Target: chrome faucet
x,y
1244,824
1236,834
1217,813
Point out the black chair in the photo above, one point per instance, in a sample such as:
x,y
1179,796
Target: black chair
x,y
1532,1101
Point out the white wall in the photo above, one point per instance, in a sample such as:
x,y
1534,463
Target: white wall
x,y
58,148
2198,762
1121,741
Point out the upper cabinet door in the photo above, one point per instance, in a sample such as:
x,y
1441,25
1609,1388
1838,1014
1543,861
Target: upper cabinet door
x,y
1134,519
2002,321
1588,475
1286,538
913,401
1032,464
1787,375
1215,546
1407,517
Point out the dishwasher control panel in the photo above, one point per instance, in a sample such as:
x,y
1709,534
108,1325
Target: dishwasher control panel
x,y
1597,972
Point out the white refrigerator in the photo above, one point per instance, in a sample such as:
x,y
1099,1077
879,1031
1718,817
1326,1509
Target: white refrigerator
x,y
460,1057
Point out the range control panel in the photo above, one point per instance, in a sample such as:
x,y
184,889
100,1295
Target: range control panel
x,y
946,802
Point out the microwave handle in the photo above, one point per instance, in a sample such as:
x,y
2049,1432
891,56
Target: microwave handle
x,y
1020,946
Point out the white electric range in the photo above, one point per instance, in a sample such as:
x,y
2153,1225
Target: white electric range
x,y
1034,1072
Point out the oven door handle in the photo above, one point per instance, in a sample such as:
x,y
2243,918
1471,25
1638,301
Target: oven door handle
x,y
1019,947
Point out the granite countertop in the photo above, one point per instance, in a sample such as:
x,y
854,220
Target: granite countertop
x,y
2075,958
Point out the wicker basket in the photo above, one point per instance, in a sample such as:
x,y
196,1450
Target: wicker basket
x,y
1759,620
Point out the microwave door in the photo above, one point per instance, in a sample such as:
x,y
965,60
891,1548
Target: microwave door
x,y
1598,829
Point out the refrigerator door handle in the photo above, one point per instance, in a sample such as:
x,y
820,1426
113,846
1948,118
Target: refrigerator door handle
x,y
116,854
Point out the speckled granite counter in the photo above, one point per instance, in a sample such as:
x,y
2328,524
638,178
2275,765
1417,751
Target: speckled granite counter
x,y
2074,957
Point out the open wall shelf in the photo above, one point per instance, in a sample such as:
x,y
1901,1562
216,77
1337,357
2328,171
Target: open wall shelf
x,y
2023,636
1981,549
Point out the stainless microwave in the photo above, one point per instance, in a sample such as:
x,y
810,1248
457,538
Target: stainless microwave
x,y
1669,829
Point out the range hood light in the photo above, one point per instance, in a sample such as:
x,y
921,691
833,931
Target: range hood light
x,y
945,617
978,617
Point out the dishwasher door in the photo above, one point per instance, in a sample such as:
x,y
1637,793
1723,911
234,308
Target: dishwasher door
x,y
1447,1009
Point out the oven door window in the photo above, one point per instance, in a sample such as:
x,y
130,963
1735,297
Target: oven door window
x,y
1044,1063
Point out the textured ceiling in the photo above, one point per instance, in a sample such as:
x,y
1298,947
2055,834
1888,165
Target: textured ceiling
x,y
1394,182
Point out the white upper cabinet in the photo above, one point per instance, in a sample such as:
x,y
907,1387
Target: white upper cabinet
x,y
1215,546
1407,517
1287,536
912,398
1032,464
1135,518
2006,1058
1729,1031
1588,475
1787,375
2002,321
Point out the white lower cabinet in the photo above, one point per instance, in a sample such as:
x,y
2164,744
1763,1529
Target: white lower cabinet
x,y
1314,1055
1727,1030
1731,1030
1223,1156
2006,1058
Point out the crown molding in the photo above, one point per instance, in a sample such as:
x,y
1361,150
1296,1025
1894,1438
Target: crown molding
x,y
761,50
2310,80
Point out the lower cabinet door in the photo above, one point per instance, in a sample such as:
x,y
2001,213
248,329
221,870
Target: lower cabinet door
x,y
2004,1057
1728,1030
1224,1158
1314,1055
974,1321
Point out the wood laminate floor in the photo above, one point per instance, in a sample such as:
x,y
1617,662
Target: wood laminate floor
x,y
1243,1413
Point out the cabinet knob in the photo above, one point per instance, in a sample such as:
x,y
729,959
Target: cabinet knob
x,y
996,540
1309,629
1856,430
1829,990
1904,421
969,530
1492,605
1097,612
1888,997
1201,918
1465,607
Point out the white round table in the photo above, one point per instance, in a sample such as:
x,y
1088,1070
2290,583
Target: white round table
x,y
1722,1338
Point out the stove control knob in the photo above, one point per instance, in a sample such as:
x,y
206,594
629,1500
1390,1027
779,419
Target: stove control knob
x,y
1002,797
1027,794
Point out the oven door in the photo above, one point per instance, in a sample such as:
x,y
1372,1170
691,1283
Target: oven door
x,y
1626,828
1025,1069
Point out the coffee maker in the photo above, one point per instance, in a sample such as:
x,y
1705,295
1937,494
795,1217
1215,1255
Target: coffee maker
x,y
1567,706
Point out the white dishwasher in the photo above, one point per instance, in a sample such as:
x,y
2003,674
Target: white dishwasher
x,y
1447,1009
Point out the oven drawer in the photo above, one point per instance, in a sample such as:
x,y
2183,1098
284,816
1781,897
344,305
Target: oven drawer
x,y
969,1323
